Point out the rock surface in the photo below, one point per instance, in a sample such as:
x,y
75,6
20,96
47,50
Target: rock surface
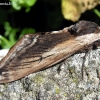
x,y
67,85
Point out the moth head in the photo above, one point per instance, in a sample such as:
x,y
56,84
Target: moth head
x,y
72,30
83,27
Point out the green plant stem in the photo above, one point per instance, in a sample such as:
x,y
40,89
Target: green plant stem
x,y
97,12
4,40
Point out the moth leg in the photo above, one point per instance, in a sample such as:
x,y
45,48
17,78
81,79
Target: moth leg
x,y
98,73
85,50
59,67
37,95
83,63
93,46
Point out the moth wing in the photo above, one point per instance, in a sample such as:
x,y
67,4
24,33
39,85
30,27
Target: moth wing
x,y
31,53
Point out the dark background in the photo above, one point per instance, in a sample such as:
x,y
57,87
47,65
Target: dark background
x,y
45,15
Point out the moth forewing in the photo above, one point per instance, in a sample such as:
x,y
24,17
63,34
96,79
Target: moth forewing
x,y
35,52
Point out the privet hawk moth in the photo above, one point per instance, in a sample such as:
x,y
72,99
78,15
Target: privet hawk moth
x,y
34,52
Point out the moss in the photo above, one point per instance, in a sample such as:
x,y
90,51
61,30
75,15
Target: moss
x,y
75,80
65,94
57,90
38,79
78,97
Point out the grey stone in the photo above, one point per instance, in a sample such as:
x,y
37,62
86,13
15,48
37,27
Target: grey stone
x,y
67,85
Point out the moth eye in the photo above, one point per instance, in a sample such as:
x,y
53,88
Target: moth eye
x,y
94,47
42,33
98,40
72,30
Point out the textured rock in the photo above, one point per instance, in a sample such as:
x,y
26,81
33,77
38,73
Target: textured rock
x,y
67,85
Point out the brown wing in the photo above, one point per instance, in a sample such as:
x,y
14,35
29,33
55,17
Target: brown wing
x,y
35,52
31,53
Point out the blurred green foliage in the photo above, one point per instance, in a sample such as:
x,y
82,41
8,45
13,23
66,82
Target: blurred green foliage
x,y
18,4
8,39
97,12
17,19
10,36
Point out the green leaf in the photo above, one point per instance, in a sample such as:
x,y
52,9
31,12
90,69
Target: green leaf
x,y
4,42
97,12
30,2
16,4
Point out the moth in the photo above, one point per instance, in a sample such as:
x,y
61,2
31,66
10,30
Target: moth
x,y
34,52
